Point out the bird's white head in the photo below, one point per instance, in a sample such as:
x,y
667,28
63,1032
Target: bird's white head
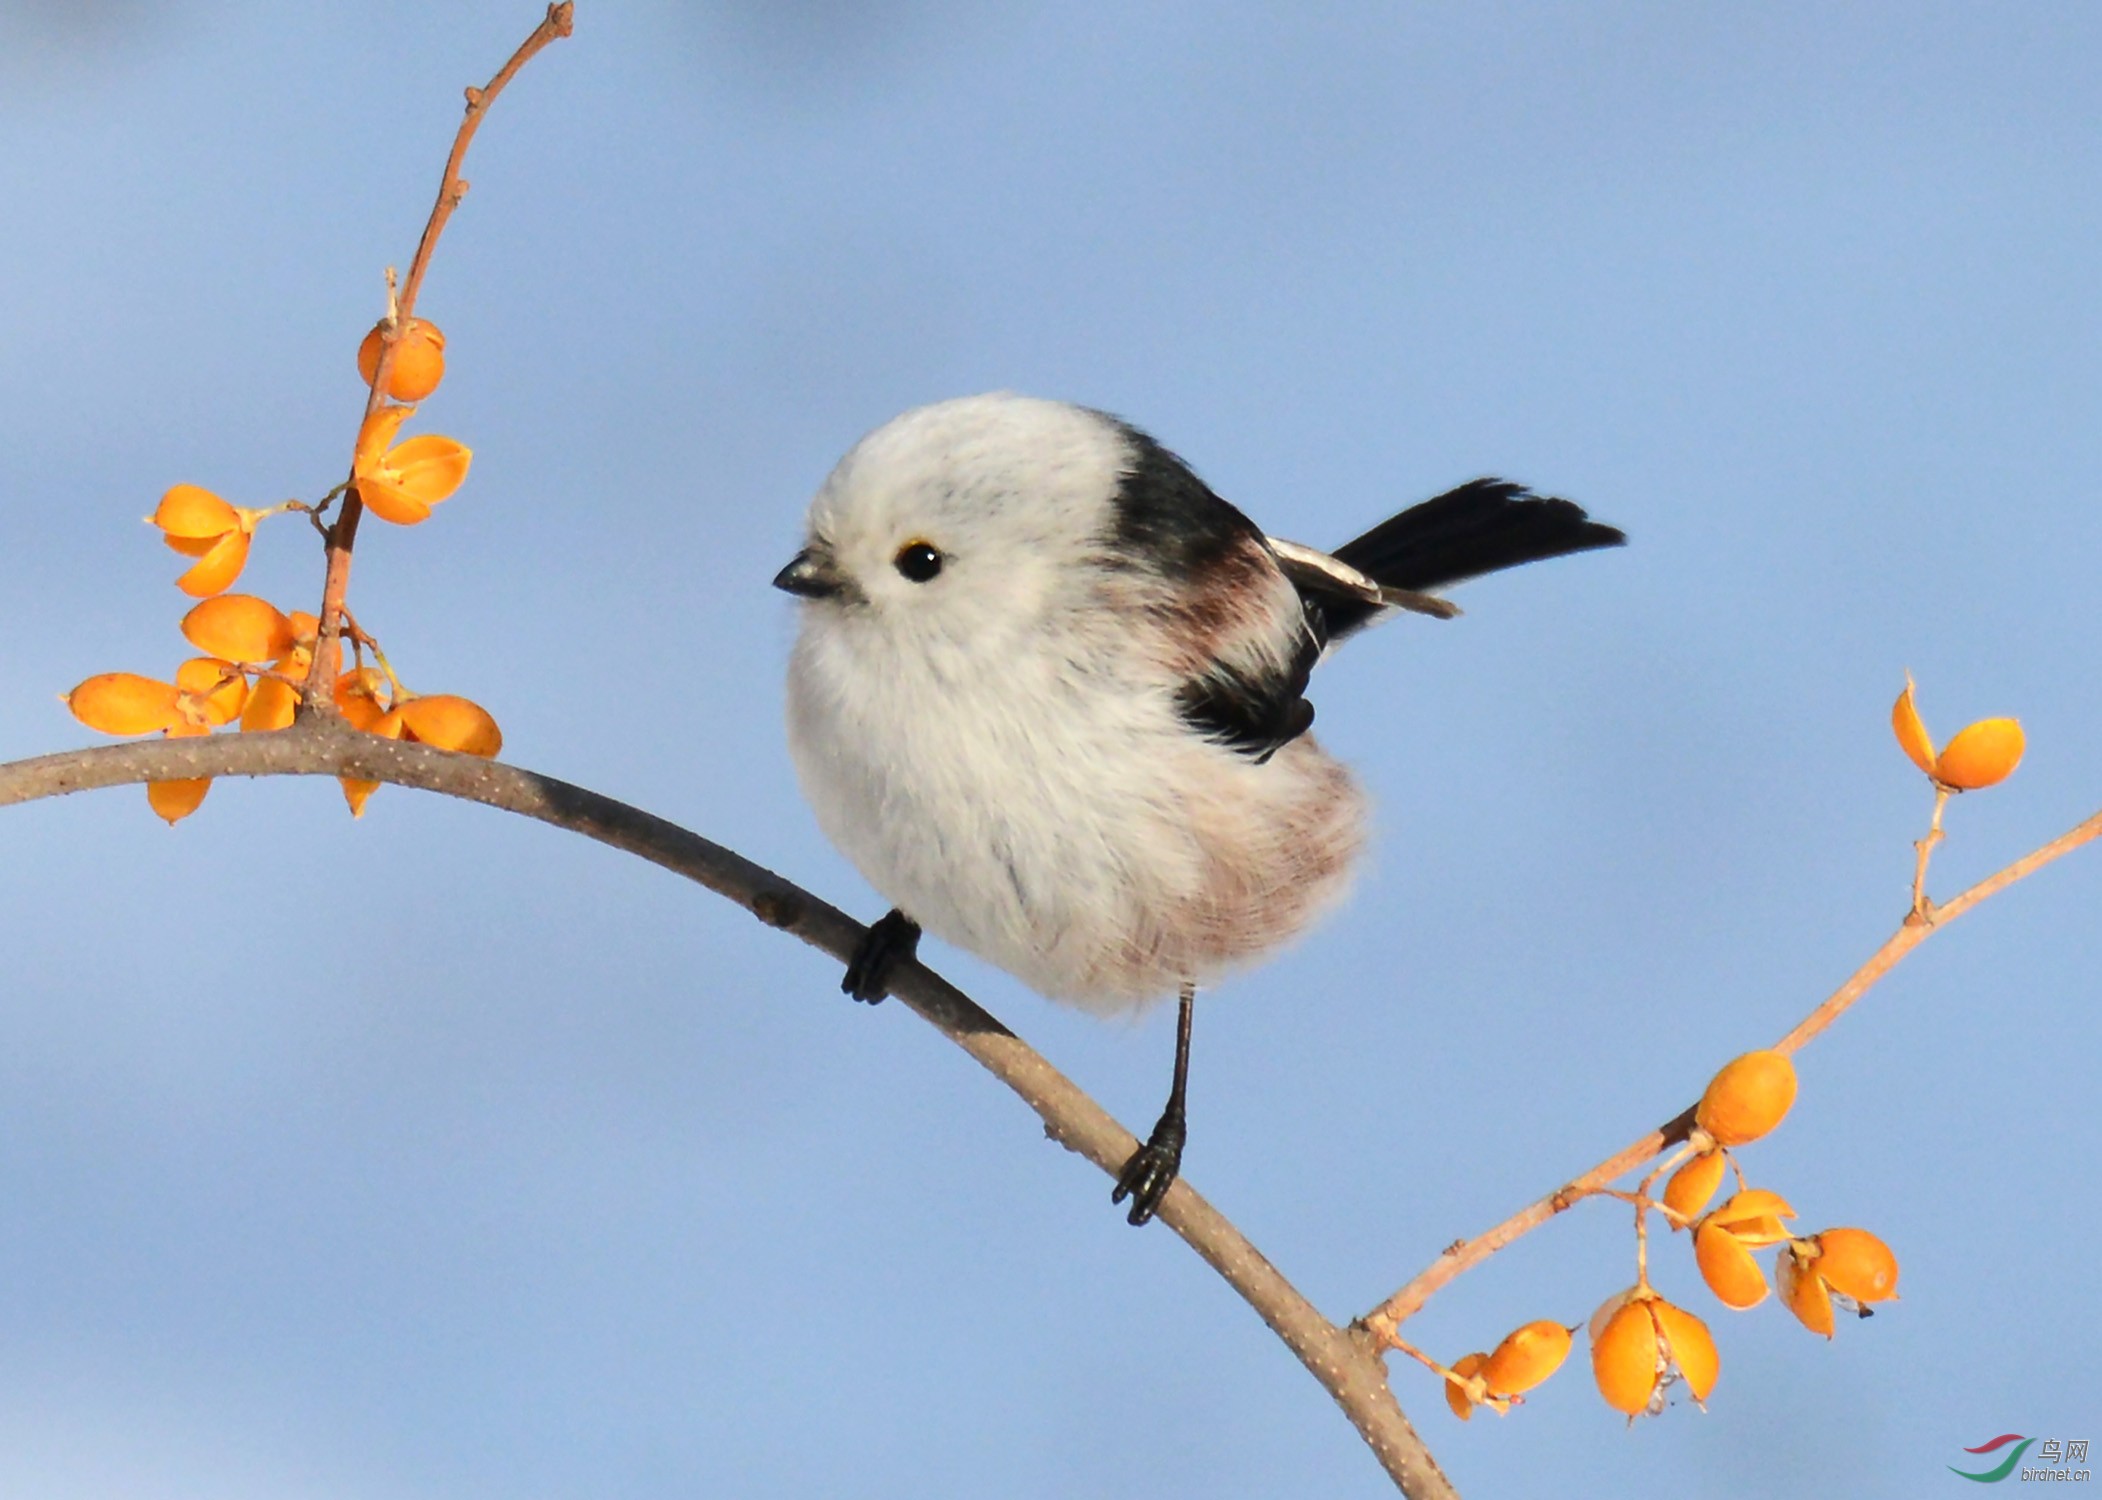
x,y
957,527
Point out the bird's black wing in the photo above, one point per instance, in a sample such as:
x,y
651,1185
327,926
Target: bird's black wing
x,y
1257,714
1483,526
1168,522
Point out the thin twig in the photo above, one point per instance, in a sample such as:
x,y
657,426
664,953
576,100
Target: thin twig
x,y
1910,936
343,534
1923,851
1472,1386
1348,1366
1463,1255
1639,1198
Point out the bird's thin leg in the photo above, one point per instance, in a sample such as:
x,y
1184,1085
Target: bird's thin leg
x,y
1152,1168
890,941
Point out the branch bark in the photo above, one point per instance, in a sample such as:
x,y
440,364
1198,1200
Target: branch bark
x,y
1348,1363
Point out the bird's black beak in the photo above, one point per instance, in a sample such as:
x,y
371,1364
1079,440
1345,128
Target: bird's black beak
x,y
811,574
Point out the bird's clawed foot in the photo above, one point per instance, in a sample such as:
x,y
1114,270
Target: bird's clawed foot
x,y
890,941
1147,1177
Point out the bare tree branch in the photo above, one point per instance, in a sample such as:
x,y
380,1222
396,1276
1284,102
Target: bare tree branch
x,y
1348,1363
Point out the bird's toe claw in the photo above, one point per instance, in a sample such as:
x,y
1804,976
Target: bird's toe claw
x,y
890,941
1147,1177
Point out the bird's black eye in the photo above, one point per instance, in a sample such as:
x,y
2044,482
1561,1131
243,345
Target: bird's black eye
x,y
918,561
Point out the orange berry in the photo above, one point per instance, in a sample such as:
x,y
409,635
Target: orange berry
x,y
1749,1097
1722,1245
197,523
1639,1341
1526,1357
239,627
1728,1268
1856,1264
191,513
403,483
176,800
419,359
1982,754
1690,1188
450,723
123,703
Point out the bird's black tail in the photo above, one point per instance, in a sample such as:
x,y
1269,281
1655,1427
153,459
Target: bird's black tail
x,y
1481,527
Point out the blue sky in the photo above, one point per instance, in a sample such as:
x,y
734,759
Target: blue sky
x,y
442,1155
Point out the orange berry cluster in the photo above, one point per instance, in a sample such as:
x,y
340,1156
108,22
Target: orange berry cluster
x,y
1744,1101
1642,1344
257,657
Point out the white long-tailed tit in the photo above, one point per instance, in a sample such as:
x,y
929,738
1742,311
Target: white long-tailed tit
x,y
1049,697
